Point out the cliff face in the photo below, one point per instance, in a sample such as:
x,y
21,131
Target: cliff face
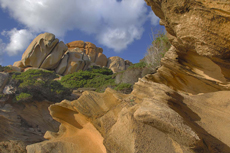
x,y
199,33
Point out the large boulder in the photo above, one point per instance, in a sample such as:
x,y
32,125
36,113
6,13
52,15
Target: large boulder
x,y
91,50
63,64
73,61
44,51
116,64
76,61
101,60
52,60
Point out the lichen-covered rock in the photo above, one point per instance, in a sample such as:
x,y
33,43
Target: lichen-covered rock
x,y
44,48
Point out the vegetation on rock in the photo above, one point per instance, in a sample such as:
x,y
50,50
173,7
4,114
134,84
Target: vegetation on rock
x,y
40,85
4,68
23,97
141,64
160,45
124,87
95,77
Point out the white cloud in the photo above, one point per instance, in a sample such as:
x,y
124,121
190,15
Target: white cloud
x,y
114,23
119,39
19,40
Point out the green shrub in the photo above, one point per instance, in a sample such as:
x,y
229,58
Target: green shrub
x,y
77,79
23,97
97,69
94,77
4,68
124,87
141,64
40,84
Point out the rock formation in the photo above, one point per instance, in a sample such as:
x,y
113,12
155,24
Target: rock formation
x,y
153,118
183,107
23,124
46,52
131,75
199,33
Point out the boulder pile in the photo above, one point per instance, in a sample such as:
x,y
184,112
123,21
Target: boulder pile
x,y
47,52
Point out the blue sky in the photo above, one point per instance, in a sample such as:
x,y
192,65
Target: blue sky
x,y
121,27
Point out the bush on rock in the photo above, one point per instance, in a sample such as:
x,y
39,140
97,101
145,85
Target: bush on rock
x,y
40,85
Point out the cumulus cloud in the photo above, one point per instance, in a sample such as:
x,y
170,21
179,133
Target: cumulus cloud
x,y
115,24
118,38
19,40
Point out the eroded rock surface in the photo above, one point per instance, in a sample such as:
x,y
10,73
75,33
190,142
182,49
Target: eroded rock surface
x,y
44,51
153,118
23,124
199,33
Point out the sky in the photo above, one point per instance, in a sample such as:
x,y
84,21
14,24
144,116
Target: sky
x,y
121,27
